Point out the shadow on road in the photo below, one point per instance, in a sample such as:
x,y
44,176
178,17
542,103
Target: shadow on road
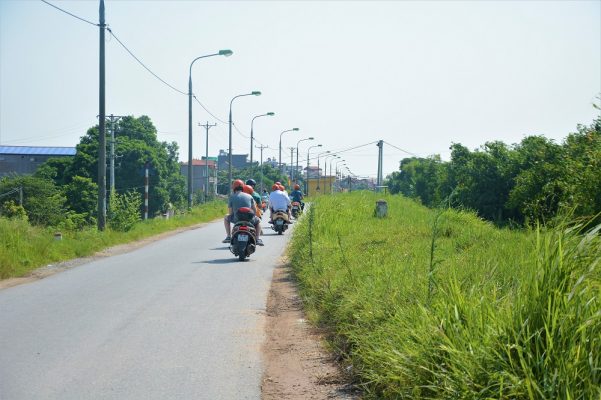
x,y
231,260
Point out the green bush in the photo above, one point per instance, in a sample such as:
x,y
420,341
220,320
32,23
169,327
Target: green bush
x,y
124,211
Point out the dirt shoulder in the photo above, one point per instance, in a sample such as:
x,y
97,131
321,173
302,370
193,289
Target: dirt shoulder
x,y
51,269
296,364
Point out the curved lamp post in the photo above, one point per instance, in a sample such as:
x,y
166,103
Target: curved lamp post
x,y
318,174
307,180
336,165
325,169
331,161
225,53
297,143
269,114
280,156
229,156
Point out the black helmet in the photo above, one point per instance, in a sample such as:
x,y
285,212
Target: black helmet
x,y
251,182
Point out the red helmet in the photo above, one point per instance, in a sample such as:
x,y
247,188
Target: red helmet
x,y
278,183
248,189
282,187
238,184
275,187
297,187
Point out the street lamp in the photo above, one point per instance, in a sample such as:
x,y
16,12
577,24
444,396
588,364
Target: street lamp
x,y
297,143
280,159
270,114
331,184
307,180
225,53
229,156
318,174
325,169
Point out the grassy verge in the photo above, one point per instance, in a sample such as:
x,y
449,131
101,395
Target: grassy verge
x,y
430,304
24,247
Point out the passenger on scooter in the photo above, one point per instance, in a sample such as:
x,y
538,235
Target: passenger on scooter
x,y
257,206
297,195
278,200
239,199
252,183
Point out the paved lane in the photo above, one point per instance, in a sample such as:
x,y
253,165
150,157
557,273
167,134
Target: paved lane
x,y
177,319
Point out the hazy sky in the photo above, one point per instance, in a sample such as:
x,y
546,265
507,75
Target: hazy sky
x,y
419,75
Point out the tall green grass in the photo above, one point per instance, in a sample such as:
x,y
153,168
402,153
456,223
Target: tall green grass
x,y
476,313
24,247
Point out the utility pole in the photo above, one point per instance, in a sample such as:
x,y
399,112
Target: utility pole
x,y
21,196
292,173
207,126
101,127
112,118
261,165
146,190
380,160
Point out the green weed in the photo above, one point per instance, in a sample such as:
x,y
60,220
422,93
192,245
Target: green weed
x,y
24,247
442,305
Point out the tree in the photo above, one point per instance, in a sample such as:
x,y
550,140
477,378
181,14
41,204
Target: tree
x,y
136,145
43,201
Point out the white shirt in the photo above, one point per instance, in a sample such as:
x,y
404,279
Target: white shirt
x,y
278,200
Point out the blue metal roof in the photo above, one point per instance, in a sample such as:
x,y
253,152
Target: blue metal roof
x,y
38,151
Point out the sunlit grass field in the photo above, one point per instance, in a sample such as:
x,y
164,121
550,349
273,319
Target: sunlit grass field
x,y
24,247
437,304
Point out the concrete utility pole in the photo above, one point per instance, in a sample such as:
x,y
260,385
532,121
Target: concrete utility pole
x,y
261,165
146,191
112,118
292,173
101,127
380,160
207,126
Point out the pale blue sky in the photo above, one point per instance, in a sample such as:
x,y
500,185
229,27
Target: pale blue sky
x,y
419,75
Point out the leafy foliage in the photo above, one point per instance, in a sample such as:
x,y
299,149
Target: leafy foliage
x,y
43,201
524,183
124,211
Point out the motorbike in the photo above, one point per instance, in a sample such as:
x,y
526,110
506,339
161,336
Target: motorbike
x,y
296,209
244,237
279,221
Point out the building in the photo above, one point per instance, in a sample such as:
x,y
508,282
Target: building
x,y
238,160
25,160
312,171
199,174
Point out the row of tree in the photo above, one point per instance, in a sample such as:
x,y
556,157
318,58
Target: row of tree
x,y
522,183
64,191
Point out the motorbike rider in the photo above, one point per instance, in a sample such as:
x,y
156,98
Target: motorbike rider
x,y
278,200
252,183
297,195
239,199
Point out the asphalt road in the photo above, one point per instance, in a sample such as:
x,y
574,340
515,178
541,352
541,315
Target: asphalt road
x,y
179,318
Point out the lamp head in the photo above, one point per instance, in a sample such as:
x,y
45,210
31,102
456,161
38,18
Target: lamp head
x,y
318,145
226,53
311,138
295,129
271,114
255,93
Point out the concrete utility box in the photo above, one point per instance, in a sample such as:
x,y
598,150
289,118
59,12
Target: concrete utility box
x,y
381,209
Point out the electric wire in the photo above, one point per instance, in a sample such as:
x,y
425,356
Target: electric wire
x,y
71,14
15,190
142,64
207,110
398,148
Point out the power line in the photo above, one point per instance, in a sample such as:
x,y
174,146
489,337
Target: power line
x,y
210,113
142,64
404,151
68,13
